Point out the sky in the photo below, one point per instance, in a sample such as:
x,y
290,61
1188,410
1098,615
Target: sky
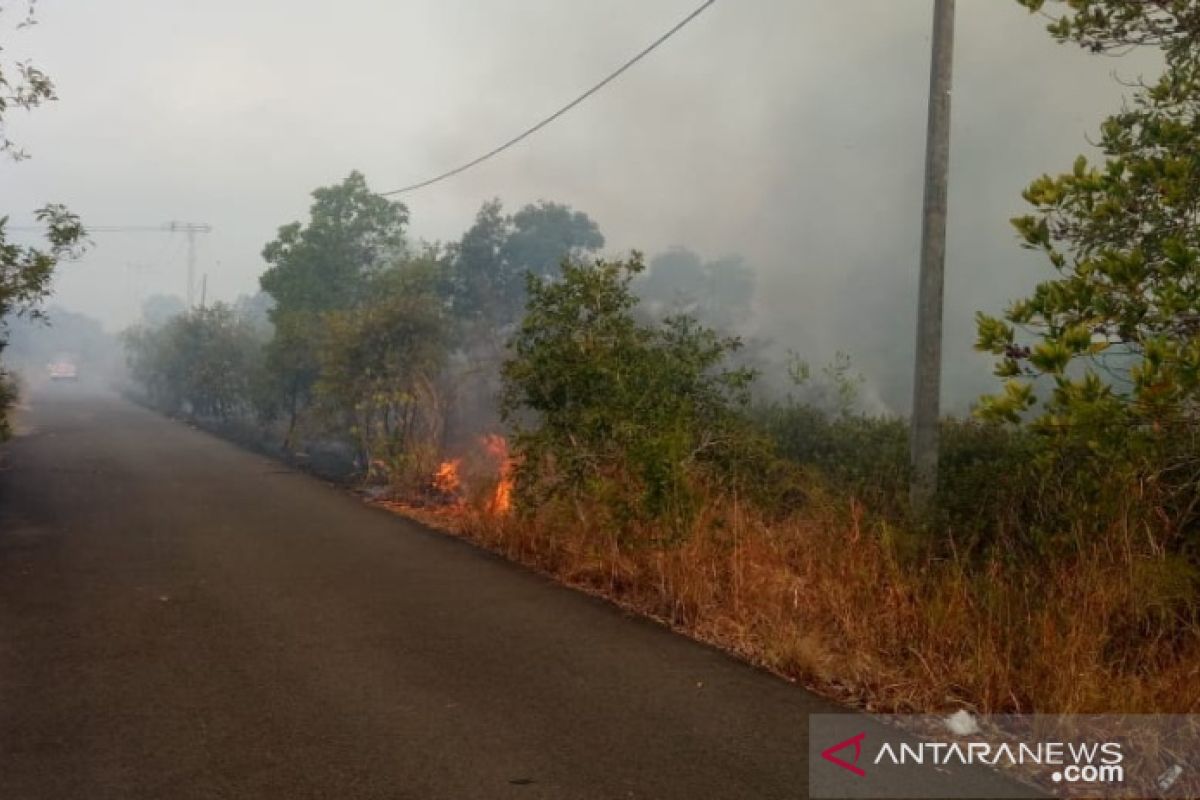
x,y
789,132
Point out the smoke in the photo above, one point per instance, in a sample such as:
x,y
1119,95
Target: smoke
x,y
60,335
787,134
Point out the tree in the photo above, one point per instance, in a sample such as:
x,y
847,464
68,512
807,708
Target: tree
x,y
325,264
202,362
543,234
482,285
26,270
488,265
22,85
1107,25
485,274
318,267
605,406
1117,332
379,368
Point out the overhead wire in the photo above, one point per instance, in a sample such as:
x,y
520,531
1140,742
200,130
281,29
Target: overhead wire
x,y
547,120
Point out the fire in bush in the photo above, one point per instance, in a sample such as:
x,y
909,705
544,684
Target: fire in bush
x,y
492,462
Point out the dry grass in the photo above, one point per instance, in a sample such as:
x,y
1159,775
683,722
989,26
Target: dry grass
x,y
824,598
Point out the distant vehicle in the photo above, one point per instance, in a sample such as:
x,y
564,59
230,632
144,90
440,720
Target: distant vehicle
x,y
63,370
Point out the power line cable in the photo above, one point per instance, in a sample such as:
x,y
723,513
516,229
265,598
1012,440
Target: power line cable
x,y
529,132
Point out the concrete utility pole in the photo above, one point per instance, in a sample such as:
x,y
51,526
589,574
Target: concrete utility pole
x,y
927,375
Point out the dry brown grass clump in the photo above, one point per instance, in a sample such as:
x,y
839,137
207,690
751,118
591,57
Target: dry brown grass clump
x,y
826,598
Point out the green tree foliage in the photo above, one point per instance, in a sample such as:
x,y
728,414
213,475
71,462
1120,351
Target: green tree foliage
x,y
379,368
22,85
322,266
326,263
835,393
1117,331
482,286
608,408
488,265
484,281
202,362
543,234
25,270
1107,25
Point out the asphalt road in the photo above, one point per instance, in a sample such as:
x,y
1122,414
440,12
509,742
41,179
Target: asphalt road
x,y
182,619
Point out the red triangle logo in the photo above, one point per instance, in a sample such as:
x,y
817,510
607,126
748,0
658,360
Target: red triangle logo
x,y
856,743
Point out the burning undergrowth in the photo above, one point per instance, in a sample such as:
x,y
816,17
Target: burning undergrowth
x,y
479,479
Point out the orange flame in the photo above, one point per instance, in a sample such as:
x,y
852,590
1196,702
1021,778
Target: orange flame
x,y
501,500
447,480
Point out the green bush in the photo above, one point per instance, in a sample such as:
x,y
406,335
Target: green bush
x,y
997,485
201,362
378,379
615,413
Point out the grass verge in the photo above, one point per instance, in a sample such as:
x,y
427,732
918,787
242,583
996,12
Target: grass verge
x,y
827,598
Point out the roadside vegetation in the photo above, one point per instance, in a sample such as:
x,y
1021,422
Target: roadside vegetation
x,y
26,269
601,419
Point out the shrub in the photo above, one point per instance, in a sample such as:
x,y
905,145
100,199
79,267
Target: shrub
x,y
608,408
201,362
378,373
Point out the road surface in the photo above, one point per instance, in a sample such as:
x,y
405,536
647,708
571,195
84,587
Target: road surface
x,y
182,619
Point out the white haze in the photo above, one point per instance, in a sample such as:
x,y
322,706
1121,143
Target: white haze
x,y
787,131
